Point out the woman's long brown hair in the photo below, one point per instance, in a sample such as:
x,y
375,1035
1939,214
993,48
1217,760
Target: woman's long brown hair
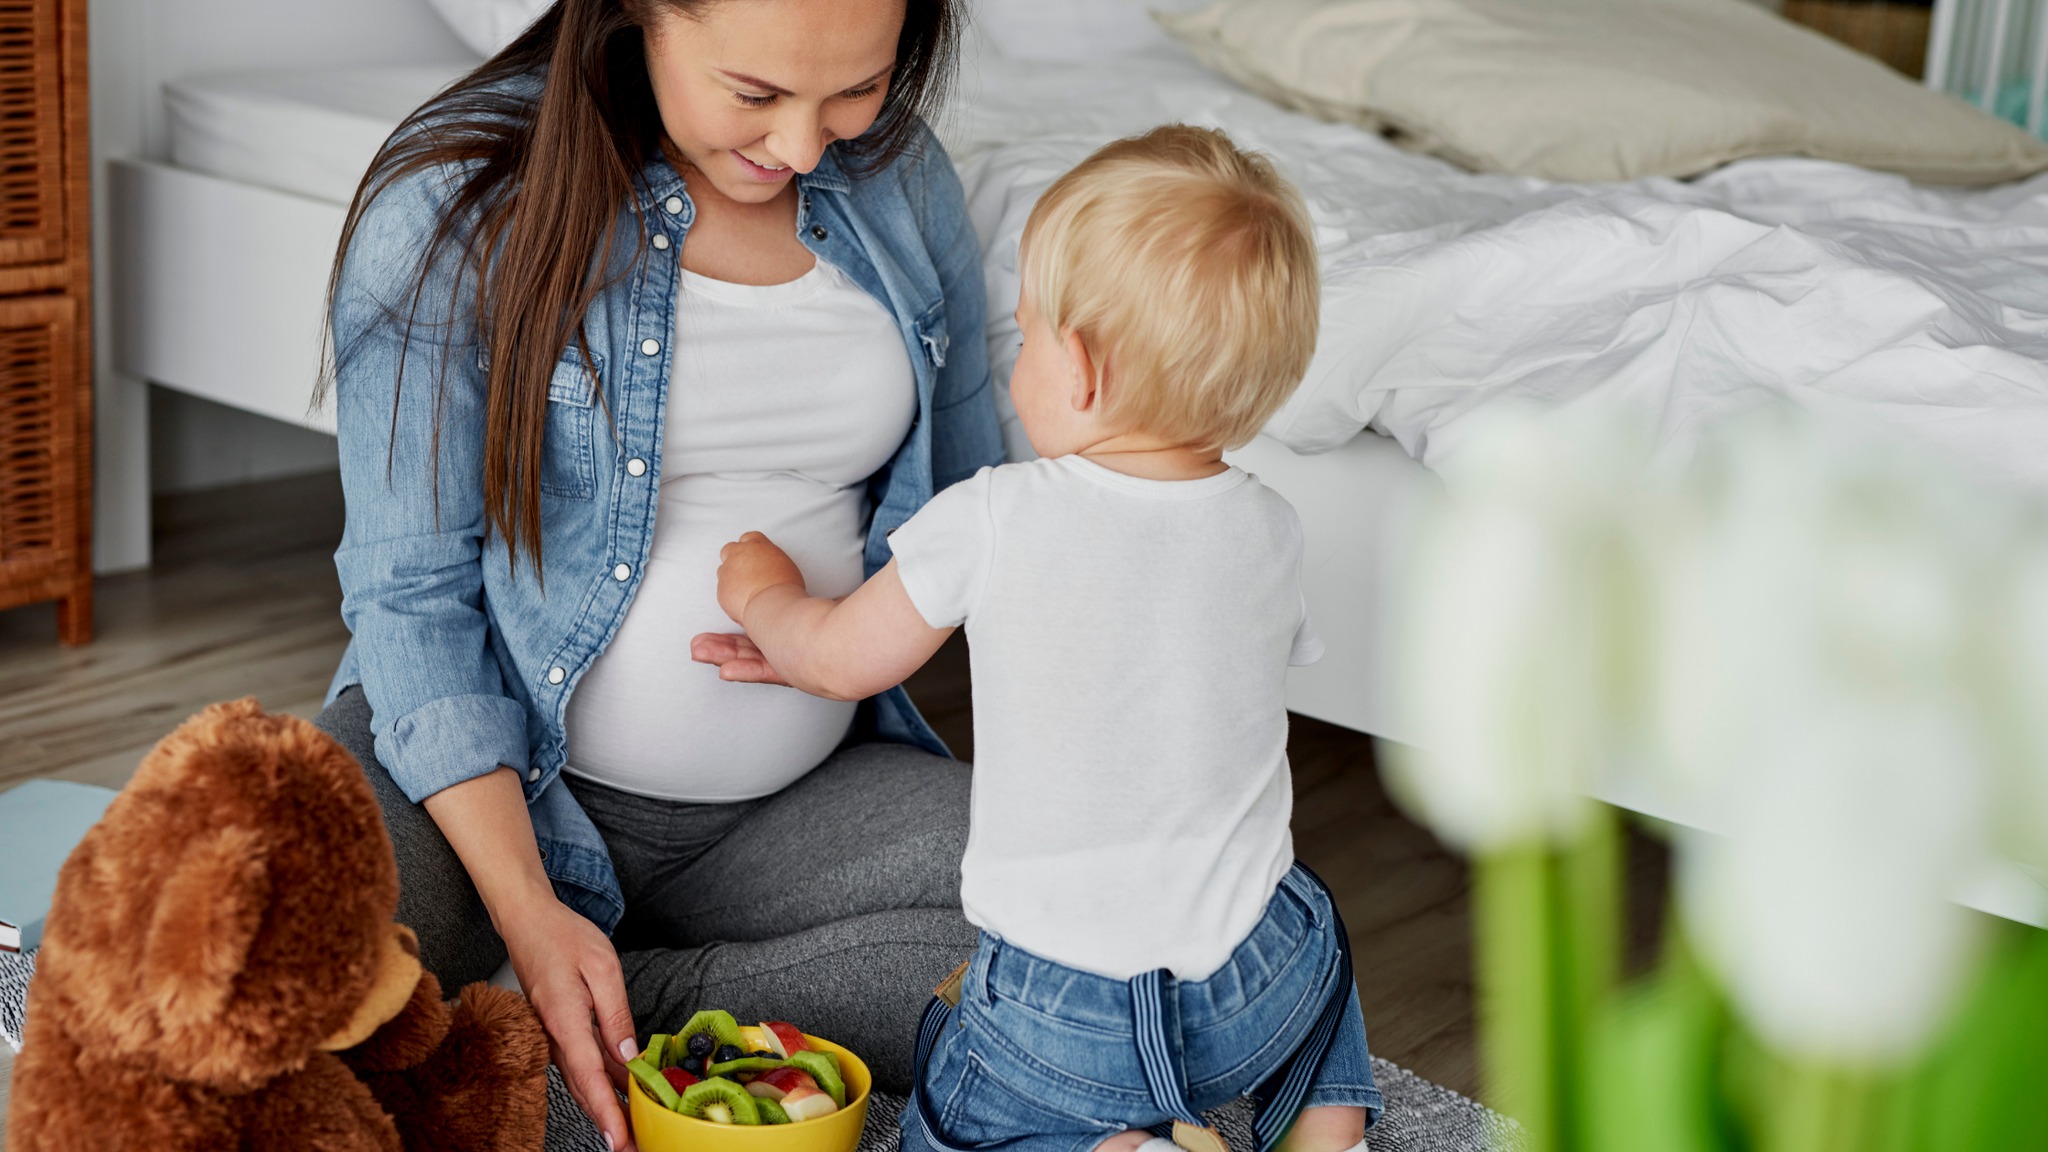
x,y
542,180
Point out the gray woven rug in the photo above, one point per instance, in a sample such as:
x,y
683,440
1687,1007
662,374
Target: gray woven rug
x,y
1420,1116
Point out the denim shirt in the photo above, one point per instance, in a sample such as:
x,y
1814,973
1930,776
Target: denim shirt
x,y
466,659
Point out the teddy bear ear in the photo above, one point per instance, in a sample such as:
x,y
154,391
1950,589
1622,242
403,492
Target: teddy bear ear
x,y
205,920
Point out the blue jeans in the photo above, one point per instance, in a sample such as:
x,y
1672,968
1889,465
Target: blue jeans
x,y
1039,1057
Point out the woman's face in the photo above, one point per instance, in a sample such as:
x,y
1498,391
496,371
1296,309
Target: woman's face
x,y
751,91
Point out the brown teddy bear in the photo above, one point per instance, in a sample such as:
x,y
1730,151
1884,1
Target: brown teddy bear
x,y
220,970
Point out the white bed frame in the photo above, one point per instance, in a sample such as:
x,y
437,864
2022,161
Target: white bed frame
x,y
219,287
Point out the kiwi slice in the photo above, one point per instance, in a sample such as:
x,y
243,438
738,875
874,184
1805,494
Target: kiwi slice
x,y
771,1112
653,1082
719,1101
744,1064
824,1068
657,1053
720,1025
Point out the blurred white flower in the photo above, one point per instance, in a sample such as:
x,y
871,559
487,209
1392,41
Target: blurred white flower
x,y
1816,709
1519,603
1814,646
2019,639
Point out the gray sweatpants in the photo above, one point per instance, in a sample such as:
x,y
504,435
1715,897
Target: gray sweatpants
x,y
834,903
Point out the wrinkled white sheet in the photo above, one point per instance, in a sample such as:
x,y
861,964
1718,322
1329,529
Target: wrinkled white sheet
x,y
1842,290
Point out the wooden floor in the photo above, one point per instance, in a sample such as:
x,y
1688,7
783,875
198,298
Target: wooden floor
x,y
243,602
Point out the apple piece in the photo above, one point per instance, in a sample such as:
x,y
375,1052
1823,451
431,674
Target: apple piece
x,y
784,1039
678,1079
824,1068
776,1083
807,1104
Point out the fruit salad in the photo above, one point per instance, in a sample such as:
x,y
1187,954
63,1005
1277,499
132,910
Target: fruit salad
x,y
715,1070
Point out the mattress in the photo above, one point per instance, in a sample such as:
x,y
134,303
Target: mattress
x,y
310,132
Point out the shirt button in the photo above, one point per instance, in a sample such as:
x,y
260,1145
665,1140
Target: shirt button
x,y
673,204
533,775
636,467
818,231
650,346
660,242
622,572
557,675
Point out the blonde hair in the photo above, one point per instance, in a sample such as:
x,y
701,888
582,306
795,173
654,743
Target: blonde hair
x,y
1188,269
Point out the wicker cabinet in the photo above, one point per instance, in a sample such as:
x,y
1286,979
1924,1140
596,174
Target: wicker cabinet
x,y
45,313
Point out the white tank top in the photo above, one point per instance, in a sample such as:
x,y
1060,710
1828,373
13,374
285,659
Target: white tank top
x,y
783,399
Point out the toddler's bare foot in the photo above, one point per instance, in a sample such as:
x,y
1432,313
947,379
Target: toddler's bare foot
x,y
1124,1141
1330,1128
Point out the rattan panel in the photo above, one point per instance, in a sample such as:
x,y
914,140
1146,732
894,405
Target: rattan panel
x,y
31,134
37,439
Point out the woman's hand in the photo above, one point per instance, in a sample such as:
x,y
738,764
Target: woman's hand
x,y
570,974
565,964
746,567
738,659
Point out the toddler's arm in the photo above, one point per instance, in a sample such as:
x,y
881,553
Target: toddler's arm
x,y
846,649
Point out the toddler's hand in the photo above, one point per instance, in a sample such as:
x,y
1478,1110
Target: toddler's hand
x,y
737,658
748,565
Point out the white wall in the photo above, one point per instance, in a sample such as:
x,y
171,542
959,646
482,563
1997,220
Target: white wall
x,y
138,45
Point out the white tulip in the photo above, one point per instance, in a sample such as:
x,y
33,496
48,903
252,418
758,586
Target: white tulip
x,y
1518,582
1816,711
1792,641
2019,638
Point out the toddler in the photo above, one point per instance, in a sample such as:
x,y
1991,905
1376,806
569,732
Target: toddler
x,y
1149,946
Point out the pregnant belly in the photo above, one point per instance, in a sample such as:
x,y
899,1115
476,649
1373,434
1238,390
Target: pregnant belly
x,y
648,719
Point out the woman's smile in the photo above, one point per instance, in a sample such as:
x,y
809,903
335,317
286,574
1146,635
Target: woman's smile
x,y
762,172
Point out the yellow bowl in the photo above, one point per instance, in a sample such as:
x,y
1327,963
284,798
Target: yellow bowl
x,y
656,1129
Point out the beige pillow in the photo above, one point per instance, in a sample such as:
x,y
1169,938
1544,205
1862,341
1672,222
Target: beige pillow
x,y
1584,90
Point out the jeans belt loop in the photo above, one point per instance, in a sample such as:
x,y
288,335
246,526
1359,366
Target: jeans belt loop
x,y
1155,1018
985,988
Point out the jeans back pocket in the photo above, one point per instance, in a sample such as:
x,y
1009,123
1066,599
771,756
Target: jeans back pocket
x,y
983,1109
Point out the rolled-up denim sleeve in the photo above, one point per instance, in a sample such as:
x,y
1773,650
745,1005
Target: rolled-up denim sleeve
x,y
410,409
967,434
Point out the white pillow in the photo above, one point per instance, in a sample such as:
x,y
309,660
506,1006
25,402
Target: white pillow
x,y
1589,90
1075,31
488,25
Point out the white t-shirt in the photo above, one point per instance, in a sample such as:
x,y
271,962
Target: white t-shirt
x,y
1130,642
782,401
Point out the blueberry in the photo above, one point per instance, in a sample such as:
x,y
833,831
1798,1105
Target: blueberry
x,y
763,1054
693,1066
726,1052
701,1045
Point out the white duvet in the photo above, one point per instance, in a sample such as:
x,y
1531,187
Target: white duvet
x,y
1842,290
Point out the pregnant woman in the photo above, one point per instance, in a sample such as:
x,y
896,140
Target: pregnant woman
x,y
661,272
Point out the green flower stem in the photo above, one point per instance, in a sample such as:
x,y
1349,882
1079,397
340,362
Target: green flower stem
x,y
1821,1108
1548,925
1515,957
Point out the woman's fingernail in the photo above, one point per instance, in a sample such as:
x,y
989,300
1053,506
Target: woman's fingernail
x,y
626,1050
611,1143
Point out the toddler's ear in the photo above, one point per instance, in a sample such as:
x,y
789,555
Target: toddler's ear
x,y
1087,374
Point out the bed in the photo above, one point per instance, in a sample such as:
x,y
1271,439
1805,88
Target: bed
x,y
1843,289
